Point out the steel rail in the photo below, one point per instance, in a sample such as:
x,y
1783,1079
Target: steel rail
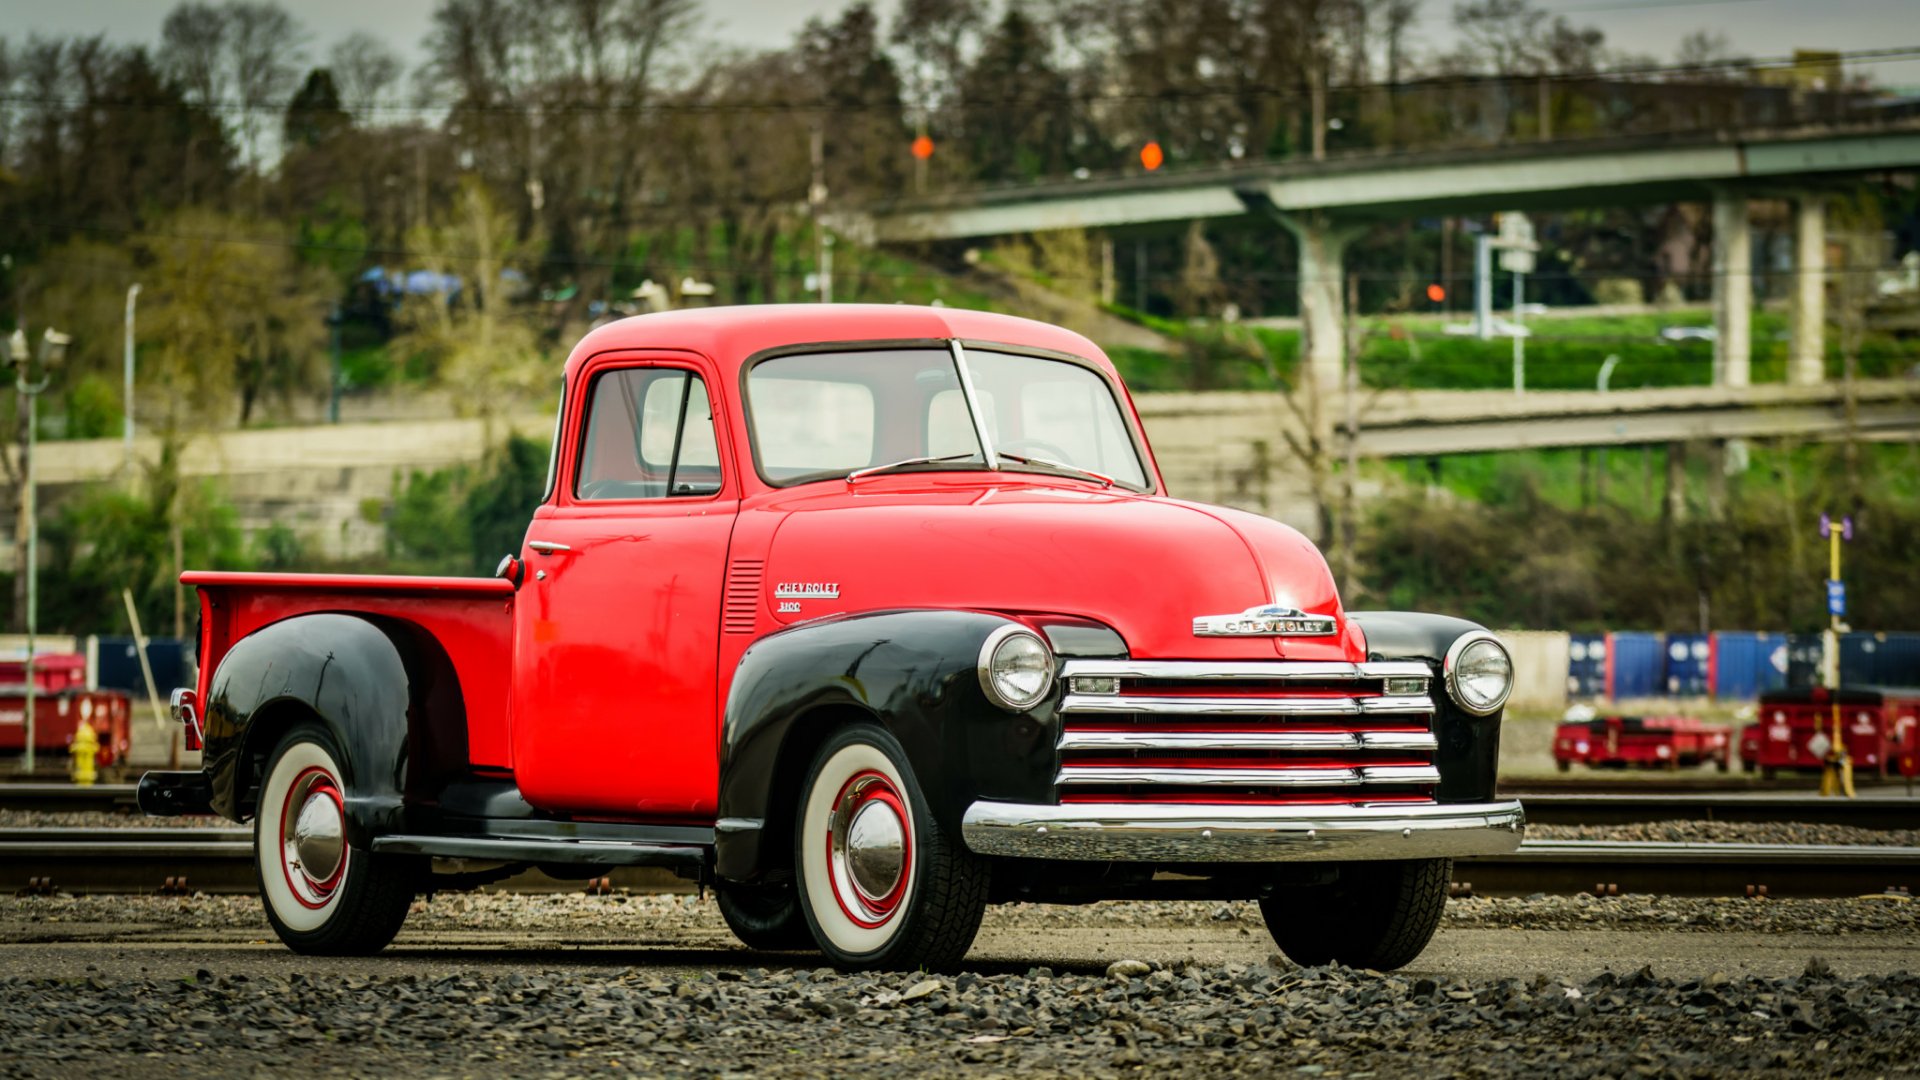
x,y
136,860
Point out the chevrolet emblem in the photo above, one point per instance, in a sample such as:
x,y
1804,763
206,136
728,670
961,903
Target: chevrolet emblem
x,y
1267,620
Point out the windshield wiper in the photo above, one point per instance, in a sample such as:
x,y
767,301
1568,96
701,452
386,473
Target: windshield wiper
x,y
872,470
1101,478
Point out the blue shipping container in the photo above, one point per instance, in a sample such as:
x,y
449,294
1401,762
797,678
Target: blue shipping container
x,y
1688,666
1879,659
1636,665
118,665
1587,665
1746,663
1804,653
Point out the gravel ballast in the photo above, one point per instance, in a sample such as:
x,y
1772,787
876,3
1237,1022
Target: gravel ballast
x,y
1142,1019
657,914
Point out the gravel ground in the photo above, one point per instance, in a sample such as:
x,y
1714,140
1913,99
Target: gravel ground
x,y
543,985
1136,1019
653,914
1727,832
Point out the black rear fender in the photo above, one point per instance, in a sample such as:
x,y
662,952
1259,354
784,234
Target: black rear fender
x,y
384,688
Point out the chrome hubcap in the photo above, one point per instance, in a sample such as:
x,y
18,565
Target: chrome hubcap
x,y
313,838
319,836
876,849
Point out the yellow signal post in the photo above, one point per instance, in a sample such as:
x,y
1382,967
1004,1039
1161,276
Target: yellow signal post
x,y
1836,776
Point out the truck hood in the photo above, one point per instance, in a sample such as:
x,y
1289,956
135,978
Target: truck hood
x,y
1144,565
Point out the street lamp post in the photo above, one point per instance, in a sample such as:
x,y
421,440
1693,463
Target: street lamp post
x,y
53,345
126,424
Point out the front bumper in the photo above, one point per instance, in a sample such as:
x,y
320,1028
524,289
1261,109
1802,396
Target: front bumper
x,y
1191,833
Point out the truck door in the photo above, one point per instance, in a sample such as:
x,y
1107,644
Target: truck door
x,y
617,621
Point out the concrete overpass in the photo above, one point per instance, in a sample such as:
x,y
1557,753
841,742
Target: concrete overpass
x,y
1326,204
1223,447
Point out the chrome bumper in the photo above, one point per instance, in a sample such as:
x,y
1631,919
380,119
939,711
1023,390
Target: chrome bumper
x,y
1191,833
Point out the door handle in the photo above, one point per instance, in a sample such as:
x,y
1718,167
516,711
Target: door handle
x,y
547,547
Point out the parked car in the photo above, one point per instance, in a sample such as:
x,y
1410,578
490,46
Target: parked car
x,y
866,617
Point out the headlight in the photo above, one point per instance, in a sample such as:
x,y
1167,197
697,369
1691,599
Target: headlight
x,y
1016,668
1479,673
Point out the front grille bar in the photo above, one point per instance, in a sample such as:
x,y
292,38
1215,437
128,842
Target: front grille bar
x,y
1116,704
1073,775
1201,669
1317,741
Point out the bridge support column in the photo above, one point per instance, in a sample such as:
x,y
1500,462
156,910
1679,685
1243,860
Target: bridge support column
x,y
1732,291
1807,353
1323,308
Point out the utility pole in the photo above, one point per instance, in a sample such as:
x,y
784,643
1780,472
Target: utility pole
x,y
817,199
126,421
1482,286
53,345
1836,774
333,385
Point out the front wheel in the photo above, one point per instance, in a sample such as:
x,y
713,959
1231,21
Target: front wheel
x,y
882,885
323,895
1377,915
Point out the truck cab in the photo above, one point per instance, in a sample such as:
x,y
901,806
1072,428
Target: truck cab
x,y
866,617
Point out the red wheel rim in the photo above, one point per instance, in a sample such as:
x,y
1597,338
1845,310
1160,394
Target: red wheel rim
x,y
869,817
313,783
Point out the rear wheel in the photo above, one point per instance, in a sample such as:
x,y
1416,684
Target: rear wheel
x,y
882,885
1377,915
765,917
323,895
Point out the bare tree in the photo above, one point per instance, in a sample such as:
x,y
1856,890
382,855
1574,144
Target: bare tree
x,y
366,71
264,46
193,43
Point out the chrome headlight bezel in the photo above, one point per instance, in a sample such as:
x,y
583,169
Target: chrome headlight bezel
x,y
1457,655
990,651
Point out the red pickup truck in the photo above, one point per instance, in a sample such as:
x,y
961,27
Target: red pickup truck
x,y
866,617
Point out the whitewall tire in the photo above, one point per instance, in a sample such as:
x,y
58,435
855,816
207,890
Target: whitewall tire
x,y
881,883
322,894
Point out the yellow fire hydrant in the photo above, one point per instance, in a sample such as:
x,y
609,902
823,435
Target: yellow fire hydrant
x,y
85,747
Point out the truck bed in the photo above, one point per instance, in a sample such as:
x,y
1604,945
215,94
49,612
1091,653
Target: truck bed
x,y
472,618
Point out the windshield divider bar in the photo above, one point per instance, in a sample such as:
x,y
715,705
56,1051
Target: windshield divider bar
x,y
973,404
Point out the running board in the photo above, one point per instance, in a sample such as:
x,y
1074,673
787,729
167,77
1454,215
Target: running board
x,y
518,849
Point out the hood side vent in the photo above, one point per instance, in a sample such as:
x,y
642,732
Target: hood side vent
x,y
740,612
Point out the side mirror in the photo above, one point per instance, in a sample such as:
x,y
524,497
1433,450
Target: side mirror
x,y
512,569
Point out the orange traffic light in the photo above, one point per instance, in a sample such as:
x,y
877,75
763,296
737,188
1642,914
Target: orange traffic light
x,y
1151,156
923,147
1436,292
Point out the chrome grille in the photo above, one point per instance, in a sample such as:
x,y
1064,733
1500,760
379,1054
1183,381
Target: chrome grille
x,y
1252,732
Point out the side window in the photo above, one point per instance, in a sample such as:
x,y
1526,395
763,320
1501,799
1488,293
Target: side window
x,y
649,435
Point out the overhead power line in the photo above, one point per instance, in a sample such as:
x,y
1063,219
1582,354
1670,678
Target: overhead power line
x,y
1168,95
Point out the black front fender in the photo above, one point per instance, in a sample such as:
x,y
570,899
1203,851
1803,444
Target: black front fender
x,y
1469,753
384,688
913,673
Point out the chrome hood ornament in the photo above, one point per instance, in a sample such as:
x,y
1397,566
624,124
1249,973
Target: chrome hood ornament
x,y
1267,620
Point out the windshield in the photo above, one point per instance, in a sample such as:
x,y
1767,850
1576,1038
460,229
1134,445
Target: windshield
x,y
821,415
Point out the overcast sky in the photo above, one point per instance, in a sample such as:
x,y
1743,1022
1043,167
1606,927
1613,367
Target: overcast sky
x,y
1761,28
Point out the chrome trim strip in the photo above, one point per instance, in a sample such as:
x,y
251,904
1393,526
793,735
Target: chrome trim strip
x,y
1311,776
1245,669
1182,833
973,404
1149,739
1110,705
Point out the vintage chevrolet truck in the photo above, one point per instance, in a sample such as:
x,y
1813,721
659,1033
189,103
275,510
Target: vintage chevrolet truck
x,y
864,617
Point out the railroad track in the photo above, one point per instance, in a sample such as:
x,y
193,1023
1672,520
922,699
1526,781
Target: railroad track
x,y
1557,805
220,860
